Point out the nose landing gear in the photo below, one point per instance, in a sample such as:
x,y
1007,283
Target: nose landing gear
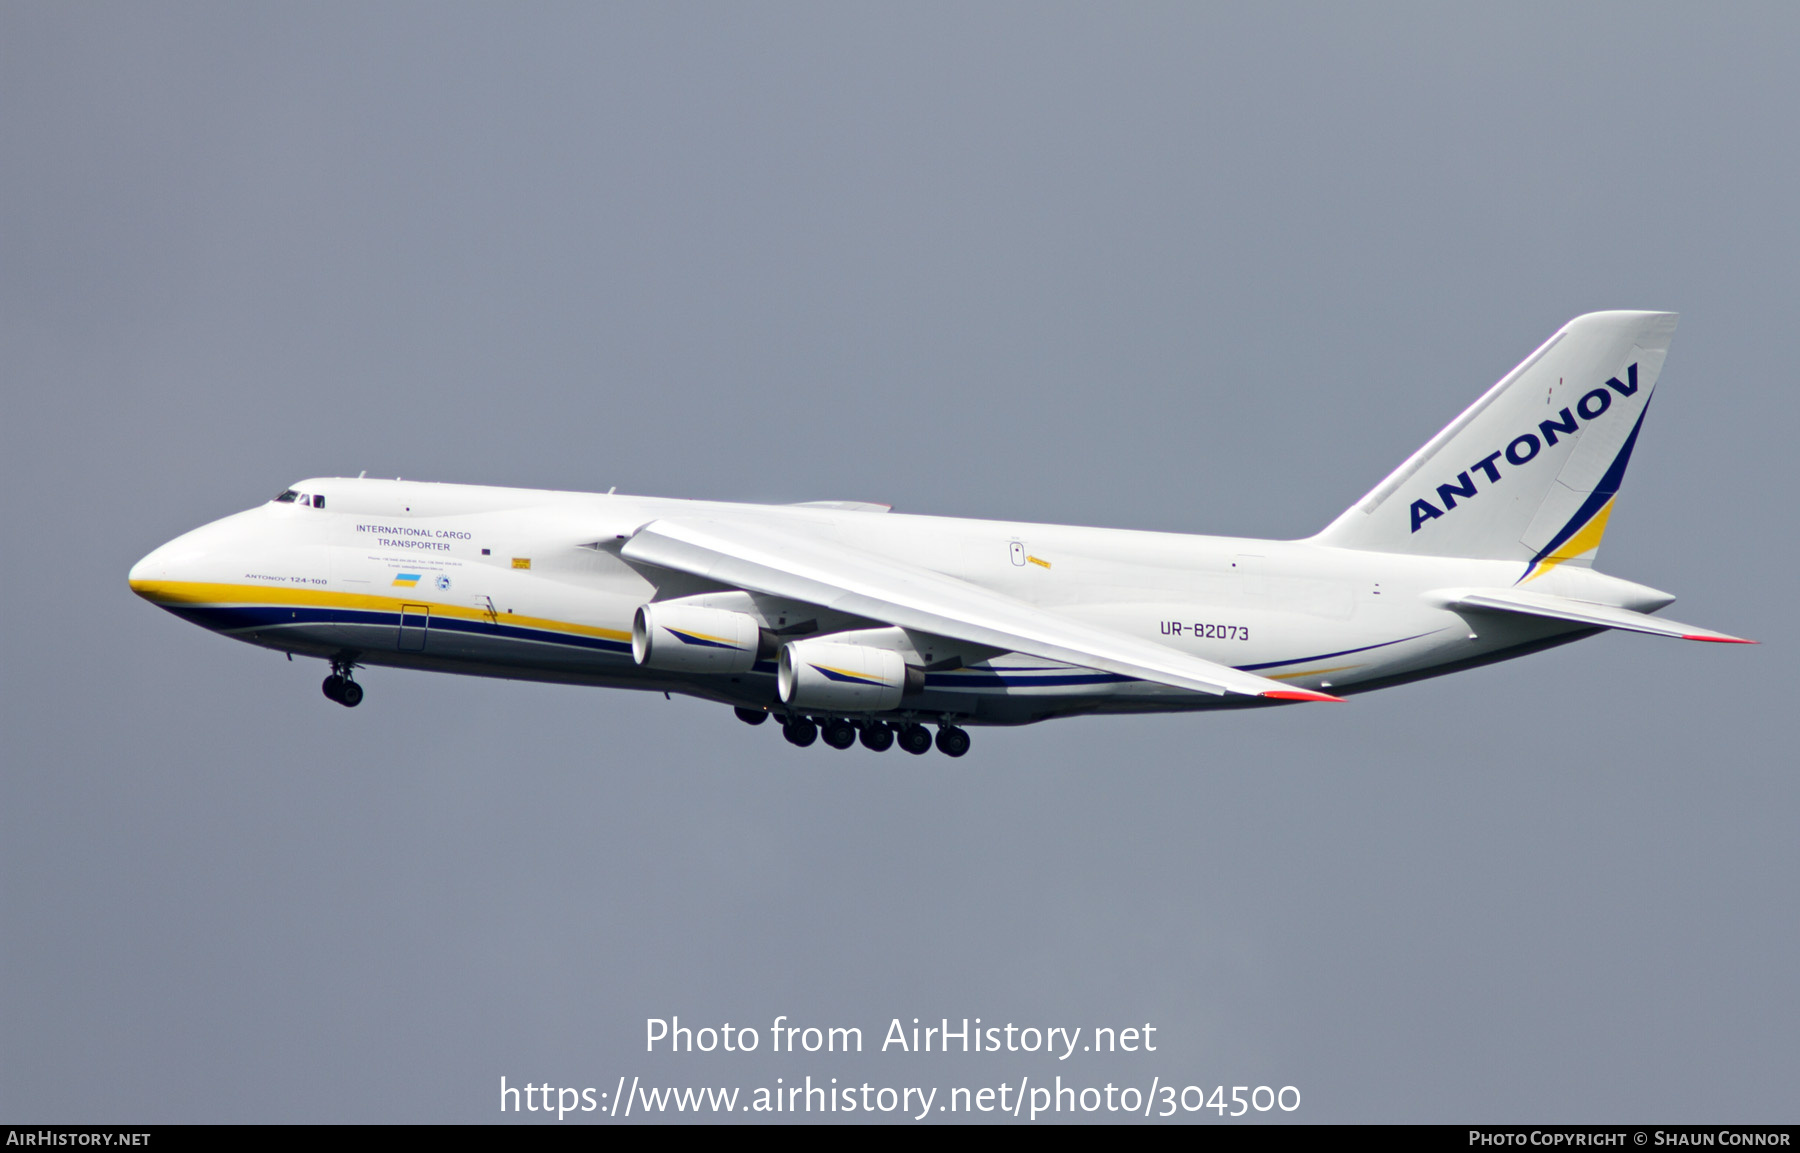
x,y
340,687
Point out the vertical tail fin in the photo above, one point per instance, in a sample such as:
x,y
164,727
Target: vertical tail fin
x,y
1530,471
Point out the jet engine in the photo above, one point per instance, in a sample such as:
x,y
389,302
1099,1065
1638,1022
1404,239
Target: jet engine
x,y
689,639
828,675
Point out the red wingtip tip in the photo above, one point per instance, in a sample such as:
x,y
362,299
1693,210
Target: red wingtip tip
x,y
1719,640
1301,695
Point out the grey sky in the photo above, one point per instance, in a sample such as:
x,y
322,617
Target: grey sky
x,y
1171,267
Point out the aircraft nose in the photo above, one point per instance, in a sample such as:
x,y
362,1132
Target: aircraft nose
x,y
199,557
147,574
184,559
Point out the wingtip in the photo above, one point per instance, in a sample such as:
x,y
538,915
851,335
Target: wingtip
x,y
1300,695
1719,640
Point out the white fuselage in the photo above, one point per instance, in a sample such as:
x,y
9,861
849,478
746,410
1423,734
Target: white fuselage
x,y
530,584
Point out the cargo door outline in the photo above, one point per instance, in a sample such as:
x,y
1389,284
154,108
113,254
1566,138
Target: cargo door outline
x,y
415,621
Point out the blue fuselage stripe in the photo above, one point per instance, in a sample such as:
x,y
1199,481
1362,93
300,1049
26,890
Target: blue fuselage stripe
x,y
1326,656
240,618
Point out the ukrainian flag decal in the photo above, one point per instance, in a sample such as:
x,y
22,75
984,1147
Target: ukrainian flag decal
x,y
406,579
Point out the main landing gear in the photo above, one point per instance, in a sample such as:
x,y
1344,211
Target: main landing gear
x,y
952,741
799,731
876,736
340,687
914,739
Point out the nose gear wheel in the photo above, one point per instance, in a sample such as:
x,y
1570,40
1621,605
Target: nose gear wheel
x,y
340,687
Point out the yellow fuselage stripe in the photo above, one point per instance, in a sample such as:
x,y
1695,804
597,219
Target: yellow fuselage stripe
x,y
202,593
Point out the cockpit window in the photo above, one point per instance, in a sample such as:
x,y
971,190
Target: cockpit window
x,y
287,497
319,500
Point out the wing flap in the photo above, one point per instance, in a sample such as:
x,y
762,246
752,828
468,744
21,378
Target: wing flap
x,y
763,558
1586,613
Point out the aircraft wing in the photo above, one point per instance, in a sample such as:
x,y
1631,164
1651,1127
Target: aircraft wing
x,y
765,559
1585,613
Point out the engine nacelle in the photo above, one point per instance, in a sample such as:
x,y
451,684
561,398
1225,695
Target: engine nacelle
x,y
825,674
689,639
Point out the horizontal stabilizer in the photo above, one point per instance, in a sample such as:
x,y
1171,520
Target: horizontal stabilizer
x,y
762,557
1583,613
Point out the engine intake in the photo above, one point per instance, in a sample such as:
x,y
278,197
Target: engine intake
x,y
689,639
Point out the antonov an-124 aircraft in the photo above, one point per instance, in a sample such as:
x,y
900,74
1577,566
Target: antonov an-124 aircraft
x,y
849,620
